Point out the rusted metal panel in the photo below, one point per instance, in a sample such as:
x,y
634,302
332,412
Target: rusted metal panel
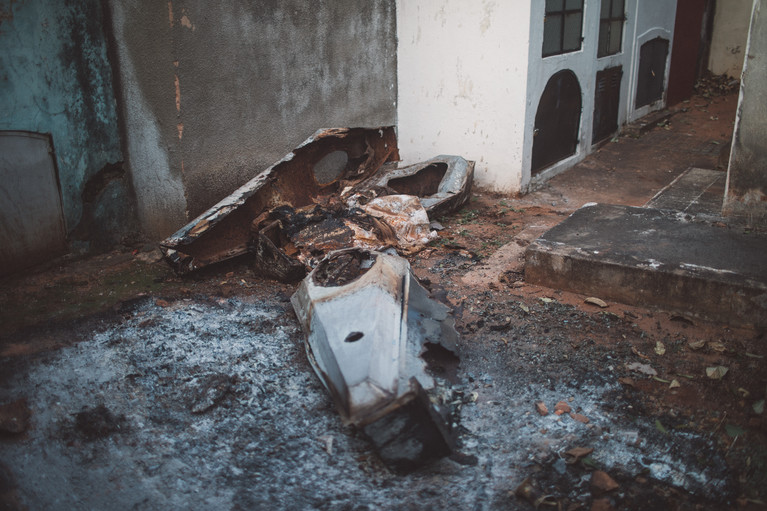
x,y
366,320
224,230
341,188
31,217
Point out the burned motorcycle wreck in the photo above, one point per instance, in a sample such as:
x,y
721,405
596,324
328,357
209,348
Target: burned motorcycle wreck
x,y
342,187
340,209
367,321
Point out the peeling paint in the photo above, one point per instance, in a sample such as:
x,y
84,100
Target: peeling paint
x,y
185,21
178,93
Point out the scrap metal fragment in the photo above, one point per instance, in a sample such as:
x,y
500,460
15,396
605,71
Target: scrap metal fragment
x,y
366,320
442,184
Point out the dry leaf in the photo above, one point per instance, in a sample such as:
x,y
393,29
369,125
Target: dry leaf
x,y
716,372
696,345
642,368
576,453
602,482
660,348
674,384
595,301
717,346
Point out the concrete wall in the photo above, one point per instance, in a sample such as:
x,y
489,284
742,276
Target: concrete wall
x,y
55,78
645,20
728,41
746,192
217,91
462,79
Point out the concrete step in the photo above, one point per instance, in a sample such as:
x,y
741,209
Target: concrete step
x,y
695,191
655,258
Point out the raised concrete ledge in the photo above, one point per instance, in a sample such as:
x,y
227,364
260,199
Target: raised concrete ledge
x,y
655,258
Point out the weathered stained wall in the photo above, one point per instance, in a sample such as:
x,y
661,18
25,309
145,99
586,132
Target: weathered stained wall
x,y
746,193
728,41
217,91
55,78
462,81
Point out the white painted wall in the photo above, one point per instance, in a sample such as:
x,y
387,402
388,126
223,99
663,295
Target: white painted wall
x,y
470,76
728,42
462,76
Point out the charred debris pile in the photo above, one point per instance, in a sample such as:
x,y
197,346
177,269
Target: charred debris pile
x,y
337,214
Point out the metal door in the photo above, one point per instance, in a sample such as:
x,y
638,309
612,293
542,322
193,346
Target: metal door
x,y
606,103
557,121
652,71
686,47
31,218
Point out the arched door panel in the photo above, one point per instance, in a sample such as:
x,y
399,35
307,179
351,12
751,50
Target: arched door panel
x,y
557,121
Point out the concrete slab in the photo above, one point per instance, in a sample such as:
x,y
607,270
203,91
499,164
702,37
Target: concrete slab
x,y
656,258
696,191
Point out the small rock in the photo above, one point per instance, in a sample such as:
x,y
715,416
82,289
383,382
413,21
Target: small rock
x,y
562,407
696,345
327,443
540,407
602,482
14,417
580,418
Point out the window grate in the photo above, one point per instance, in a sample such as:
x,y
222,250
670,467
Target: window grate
x,y
562,27
611,20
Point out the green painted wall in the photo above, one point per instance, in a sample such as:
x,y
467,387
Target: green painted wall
x,y
55,78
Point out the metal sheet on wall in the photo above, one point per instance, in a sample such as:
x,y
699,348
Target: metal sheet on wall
x,y
32,226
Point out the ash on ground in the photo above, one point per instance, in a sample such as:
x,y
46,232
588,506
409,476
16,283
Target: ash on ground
x,y
210,403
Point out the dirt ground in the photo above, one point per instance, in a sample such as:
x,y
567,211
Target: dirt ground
x,y
126,386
